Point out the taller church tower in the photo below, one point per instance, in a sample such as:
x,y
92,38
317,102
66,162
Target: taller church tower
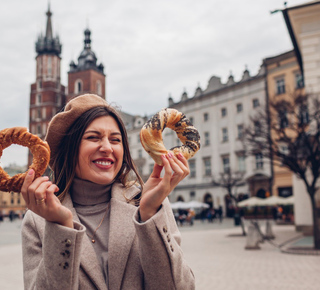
x,y
86,76
47,95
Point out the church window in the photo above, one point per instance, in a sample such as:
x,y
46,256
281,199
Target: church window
x,y
39,129
39,113
99,88
44,128
58,100
49,66
38,99
44,113
78,87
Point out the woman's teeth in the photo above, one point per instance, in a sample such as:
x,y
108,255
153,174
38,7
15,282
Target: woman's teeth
x,y
103,162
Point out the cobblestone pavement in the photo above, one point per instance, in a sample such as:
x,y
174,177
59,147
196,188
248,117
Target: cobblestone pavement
x,y
219,261
216,253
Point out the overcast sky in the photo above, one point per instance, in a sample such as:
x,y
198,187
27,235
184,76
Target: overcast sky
x,y
150,48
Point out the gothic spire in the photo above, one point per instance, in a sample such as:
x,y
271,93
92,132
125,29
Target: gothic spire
x,y
48,44
49,26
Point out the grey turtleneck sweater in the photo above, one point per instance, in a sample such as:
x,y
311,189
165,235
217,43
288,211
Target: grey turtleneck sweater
x,y
91,202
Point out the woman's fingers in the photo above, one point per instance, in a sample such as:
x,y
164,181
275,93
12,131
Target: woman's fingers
x,y
156,171
179,166
26,183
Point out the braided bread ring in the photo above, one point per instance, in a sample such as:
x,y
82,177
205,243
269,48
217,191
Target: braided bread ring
x,y
39,149
151,134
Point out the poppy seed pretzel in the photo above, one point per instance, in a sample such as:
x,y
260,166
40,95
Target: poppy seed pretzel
x,y
151,134
39,149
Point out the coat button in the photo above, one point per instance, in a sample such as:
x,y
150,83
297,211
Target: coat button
x,y
68,243
168,238
171,248
165,229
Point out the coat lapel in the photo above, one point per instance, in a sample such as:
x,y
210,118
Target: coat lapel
x,y
122,233
89,262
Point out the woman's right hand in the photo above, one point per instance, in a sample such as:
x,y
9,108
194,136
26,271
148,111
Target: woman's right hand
x,y
40,198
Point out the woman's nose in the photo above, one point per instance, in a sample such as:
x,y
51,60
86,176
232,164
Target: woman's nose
x,y
106,146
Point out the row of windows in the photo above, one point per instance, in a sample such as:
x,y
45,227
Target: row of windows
x,y
39,129
225,164
39,99
224,134
303,116
78,87
281,85
224,111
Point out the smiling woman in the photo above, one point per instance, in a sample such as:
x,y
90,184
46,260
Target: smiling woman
x,y
96,225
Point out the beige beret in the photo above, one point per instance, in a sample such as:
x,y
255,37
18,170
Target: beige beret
x,y
60,123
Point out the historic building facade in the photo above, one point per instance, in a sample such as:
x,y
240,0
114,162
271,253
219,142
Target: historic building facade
x,y
220,112
284,78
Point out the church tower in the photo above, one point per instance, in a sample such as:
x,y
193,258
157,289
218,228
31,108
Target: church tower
x,y
47,95
86,76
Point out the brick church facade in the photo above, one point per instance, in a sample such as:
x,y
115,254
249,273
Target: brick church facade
x,y
48,96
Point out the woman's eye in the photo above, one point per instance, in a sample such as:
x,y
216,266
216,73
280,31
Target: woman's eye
x,y
92,138
116,140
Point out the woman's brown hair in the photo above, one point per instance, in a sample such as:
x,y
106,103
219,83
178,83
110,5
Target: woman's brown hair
x,y
64,165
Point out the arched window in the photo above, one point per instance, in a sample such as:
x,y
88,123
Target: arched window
x,y
180,198
49,66
98,88
78,86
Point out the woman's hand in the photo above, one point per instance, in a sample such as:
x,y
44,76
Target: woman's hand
x,y
158,188
40,198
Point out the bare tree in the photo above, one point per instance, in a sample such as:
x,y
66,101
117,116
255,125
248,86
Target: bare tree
x,y
288,134
230,180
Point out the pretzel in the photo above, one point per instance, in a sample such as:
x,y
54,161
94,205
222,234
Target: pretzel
x,y
151,134
39,149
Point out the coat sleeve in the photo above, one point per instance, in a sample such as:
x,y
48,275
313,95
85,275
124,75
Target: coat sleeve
x,y
50,253
161,255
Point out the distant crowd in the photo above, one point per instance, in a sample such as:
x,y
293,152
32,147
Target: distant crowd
x,y
187,216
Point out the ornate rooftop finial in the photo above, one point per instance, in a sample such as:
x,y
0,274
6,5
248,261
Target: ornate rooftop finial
x,y
48,43
246,74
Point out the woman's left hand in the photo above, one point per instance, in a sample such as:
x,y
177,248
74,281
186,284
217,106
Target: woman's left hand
x,y
157,188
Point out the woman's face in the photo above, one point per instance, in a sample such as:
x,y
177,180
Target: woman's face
x,y
100,151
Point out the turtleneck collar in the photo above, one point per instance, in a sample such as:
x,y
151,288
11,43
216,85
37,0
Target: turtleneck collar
x,y
84,192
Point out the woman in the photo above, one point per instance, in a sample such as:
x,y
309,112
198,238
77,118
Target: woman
x,y
92,227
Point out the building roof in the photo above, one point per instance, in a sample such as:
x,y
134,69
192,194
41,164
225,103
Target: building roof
x,y
286,17
87,59
48,44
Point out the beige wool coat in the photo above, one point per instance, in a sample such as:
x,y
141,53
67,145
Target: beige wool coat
x,y
141,255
